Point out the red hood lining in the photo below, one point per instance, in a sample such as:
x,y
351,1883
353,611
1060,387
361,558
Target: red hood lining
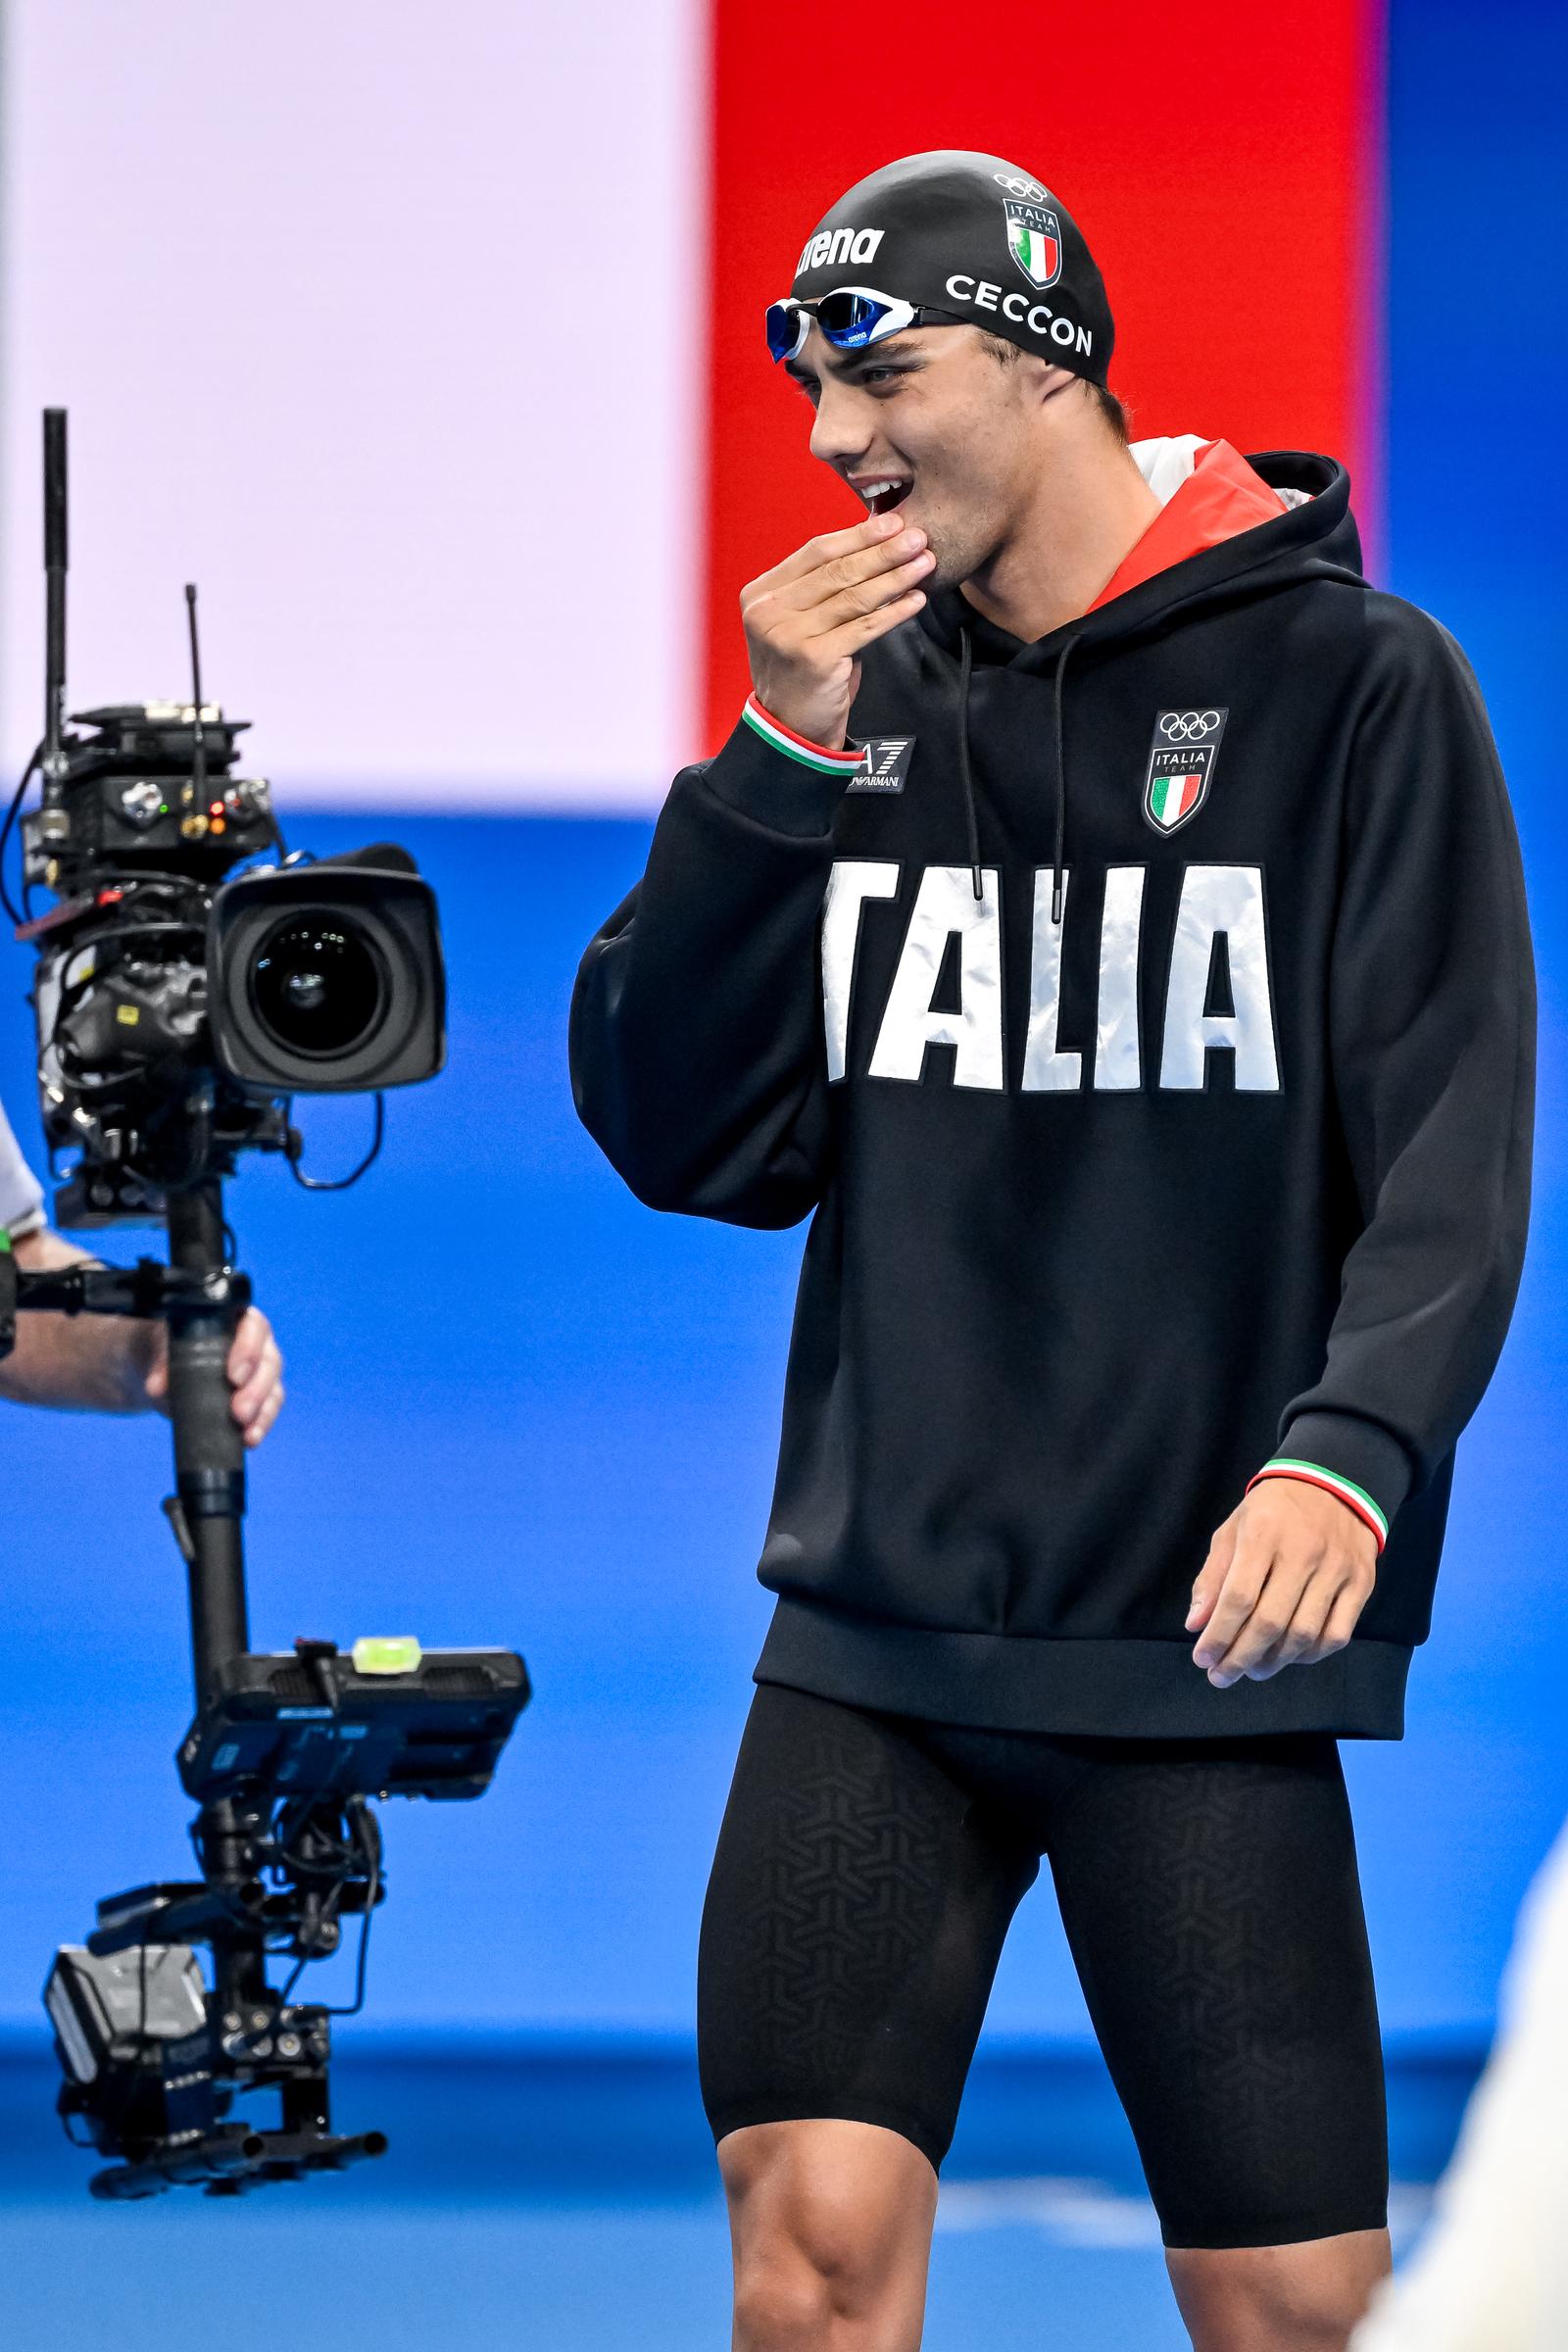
x,y
1223,496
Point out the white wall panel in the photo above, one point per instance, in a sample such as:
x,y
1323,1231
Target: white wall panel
x,y
368,317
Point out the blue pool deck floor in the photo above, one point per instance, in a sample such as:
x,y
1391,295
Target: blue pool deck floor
x,y
563,2199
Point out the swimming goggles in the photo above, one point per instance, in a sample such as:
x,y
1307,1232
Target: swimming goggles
x,y
850,317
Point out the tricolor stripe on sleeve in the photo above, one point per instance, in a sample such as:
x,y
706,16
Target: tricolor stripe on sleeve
x,y
798,747
1359,1500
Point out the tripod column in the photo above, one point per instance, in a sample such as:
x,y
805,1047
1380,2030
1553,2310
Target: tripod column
x,y
209,1449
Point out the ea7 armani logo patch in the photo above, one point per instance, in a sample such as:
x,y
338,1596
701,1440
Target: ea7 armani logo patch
x,y
1181,765
886,766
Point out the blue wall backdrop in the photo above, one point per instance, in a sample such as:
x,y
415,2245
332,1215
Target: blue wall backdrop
x,y
525,1409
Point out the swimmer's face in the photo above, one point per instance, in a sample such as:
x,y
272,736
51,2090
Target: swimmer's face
x,y
934,423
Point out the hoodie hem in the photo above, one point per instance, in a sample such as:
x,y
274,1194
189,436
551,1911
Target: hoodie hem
x,y
1116,1689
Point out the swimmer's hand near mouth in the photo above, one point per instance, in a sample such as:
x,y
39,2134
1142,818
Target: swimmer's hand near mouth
x,y
809,620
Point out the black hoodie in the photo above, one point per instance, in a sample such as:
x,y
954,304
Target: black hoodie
x,y
1229,1167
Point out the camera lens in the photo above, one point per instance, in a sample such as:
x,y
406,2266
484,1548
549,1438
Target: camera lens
x,y
317,984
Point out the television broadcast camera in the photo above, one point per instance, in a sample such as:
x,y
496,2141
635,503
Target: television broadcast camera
x,y
181,1006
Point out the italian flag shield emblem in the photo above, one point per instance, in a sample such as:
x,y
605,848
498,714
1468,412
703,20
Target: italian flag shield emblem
x,y
1172,795
1033,240
1181,765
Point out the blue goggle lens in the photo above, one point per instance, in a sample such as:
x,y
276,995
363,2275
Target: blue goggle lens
x,y
850,320
784,326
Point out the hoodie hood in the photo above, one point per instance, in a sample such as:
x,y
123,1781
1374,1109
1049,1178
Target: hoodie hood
x,y
1229,528
1312,536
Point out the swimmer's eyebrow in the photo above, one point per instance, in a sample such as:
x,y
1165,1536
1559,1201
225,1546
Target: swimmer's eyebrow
x,y
892,347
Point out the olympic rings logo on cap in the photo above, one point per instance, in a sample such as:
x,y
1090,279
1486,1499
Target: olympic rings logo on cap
x,y
1184,726
1016,186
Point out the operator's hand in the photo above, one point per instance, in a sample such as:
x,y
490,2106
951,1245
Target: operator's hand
x,y
1287,1577
807,620
255,1371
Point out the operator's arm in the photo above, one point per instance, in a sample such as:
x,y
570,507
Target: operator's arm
x,y
89,1363
119,1363
696,1035
1432,1032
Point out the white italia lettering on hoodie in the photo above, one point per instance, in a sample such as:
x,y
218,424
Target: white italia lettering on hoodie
x,y
1217,903
945,907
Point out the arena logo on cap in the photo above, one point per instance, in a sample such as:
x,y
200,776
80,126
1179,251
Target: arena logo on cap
x,y
1033,240
834,245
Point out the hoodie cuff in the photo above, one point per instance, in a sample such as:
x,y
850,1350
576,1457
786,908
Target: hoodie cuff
x,y
1358,1460
799,747
778,779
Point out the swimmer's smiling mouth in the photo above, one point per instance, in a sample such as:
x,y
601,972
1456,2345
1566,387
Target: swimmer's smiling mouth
x,y
882,492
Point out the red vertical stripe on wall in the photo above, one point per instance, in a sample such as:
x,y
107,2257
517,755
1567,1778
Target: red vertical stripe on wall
x,y
1225,165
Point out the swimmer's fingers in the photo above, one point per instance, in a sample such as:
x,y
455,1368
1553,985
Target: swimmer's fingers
x,y
854,583
809,620
1255,1612
1211,1576
873,600
1302,1570
861,541
1306,1638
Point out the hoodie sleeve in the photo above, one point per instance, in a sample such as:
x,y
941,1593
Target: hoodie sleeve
x,y
696,1033
1432,1023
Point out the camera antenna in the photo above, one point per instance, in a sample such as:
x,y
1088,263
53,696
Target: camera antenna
x,y
54,824
198,737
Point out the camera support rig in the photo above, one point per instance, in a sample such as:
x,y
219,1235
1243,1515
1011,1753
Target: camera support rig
x,y
137,1981
285,1754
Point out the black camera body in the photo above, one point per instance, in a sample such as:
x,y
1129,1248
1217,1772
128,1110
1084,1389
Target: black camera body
x,y
328,977
180,1004
130,793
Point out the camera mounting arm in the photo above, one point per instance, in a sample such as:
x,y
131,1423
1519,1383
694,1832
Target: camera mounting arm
x,y
148,1290
209,1446
201,1298
285,1759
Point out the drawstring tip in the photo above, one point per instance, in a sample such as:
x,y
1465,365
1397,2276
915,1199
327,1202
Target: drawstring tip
x,y
1055,897
979,890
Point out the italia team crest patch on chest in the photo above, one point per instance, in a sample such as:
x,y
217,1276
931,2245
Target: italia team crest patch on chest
x,y
1181,765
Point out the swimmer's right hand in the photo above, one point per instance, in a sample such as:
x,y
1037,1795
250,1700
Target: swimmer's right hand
x,y
807,620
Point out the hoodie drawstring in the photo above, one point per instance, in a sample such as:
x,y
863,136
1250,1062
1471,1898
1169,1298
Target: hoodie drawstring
x,y
966,776
966,666
1061,788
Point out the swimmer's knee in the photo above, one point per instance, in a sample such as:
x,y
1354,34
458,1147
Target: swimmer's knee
x,y
1304,2297
831,2224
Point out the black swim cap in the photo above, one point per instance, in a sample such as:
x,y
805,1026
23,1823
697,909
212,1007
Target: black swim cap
x,y
973,235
